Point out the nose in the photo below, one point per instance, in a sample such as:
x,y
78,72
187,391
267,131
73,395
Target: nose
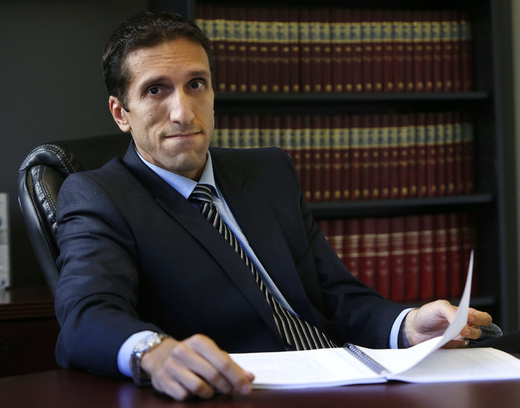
x,y
181,110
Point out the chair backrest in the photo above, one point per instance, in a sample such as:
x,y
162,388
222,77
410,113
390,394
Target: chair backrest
x,y
41,175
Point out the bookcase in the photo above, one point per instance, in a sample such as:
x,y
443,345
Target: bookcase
x,y
483,94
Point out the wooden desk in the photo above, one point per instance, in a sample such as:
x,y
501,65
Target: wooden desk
x,y
62,388
28,331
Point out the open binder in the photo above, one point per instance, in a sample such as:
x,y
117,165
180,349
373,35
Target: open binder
x,y
351,364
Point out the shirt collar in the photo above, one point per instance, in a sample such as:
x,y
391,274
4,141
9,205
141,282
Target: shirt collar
x,y
183,185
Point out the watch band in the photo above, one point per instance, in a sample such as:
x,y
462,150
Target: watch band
x,y
144,346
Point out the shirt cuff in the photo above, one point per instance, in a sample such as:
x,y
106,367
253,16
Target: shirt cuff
x,y
125,351
394,333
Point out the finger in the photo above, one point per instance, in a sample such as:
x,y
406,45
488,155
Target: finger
x,y
478,318
222,372
471,332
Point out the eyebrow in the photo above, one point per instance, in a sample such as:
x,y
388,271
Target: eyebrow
x,y
165,78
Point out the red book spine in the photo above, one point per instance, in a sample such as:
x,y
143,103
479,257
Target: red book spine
x,y
325,66
264,50
418,49
231,38
447,45
355,159
397,259
219,39
357,50
367,51
450,153
428,50
374,158
393,153
468,151
285,50
294,50
275,49
336,147
440,152
412,156
305,50
347,29
367,256
384,157
402,147
456,51
364,154
253,52
352,229
427,257
420,146
438,85
388,51
440,238
431,174
412,259
338,37
377,49
383,257
316,51
345,159
408,51
243,44
306,153
455,273
398,52
458,153
325,134
466,38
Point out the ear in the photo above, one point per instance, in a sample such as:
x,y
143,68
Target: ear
x,y
119,113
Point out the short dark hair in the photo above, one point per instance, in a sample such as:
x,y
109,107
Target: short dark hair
x,y
146,29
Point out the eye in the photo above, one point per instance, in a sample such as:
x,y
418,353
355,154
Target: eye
x,y
197,84
154,90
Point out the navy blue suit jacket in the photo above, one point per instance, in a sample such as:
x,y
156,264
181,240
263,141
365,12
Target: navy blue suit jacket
x,y
136,255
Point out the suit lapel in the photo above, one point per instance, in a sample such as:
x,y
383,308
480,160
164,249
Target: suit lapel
x,y
176,206
250,208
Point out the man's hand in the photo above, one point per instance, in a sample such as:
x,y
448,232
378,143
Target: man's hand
x,y
194,367
432,319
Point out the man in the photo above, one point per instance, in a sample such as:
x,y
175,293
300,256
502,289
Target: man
x,y
140,261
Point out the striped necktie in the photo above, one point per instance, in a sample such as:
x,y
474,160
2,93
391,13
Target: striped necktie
x,y
296,332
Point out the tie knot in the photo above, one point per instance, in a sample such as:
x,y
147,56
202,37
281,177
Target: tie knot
x,y
201,193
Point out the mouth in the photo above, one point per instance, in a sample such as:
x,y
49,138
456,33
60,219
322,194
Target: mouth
x,y
182,135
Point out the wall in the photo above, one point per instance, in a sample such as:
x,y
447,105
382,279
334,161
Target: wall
x,y
50,89
516,86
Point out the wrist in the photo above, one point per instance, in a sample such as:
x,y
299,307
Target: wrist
x,y
141,349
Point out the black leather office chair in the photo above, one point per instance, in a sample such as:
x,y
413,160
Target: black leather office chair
x,y
41,175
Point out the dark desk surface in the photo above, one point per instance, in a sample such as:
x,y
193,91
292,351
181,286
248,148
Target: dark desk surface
x,y
62,388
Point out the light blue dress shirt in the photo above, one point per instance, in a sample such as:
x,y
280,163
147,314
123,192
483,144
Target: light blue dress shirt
x,y
185,187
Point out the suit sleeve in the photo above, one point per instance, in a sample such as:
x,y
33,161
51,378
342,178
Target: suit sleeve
x,y
97,290
356,312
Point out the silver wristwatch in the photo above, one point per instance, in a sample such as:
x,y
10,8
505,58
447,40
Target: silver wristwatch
x,y
145,345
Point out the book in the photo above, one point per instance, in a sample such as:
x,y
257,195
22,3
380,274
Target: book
x,y
351,364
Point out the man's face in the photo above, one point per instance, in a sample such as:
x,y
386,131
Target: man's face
x,y
170,105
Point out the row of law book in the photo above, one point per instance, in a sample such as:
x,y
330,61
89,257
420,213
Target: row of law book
x,y
406,259
365,156
279,49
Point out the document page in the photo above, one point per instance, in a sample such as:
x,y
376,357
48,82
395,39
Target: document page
x,y
302,369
